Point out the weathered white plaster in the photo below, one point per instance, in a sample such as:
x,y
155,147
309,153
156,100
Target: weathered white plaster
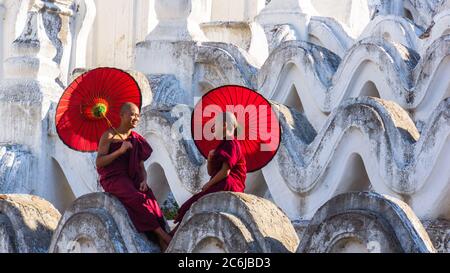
x,y
362,95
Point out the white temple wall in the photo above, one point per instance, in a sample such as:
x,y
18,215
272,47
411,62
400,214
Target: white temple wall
x,y
2,34
352,14
118,26
396,146
235,10
12,19
59,191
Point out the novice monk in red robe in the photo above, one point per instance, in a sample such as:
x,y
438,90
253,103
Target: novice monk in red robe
x,y
226,166
120,165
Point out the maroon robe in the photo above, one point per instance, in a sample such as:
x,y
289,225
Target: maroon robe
x,y
122,178
228,151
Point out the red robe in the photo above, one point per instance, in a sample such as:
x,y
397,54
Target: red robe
x,y
228,151
122,177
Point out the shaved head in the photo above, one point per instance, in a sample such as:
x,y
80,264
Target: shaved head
x,y
127,107
129,115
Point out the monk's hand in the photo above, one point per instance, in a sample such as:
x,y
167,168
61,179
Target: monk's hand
x,y
210,155
206,186
126,145
143,186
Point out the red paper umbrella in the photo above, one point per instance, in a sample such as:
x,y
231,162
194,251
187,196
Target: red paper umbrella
x,y
91,104
258,131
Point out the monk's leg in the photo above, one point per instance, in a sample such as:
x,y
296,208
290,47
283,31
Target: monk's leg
x,y
142,208
163,237
187,205
160,237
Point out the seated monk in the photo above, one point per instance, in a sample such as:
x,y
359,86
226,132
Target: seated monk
x,y
120,165
226,166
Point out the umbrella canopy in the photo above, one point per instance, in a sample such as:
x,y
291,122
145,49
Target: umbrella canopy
x,y
258,126
90,102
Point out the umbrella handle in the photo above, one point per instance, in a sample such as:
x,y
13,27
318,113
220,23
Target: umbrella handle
x,y
110,125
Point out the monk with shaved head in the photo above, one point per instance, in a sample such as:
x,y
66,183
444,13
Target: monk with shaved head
x,y
120,164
